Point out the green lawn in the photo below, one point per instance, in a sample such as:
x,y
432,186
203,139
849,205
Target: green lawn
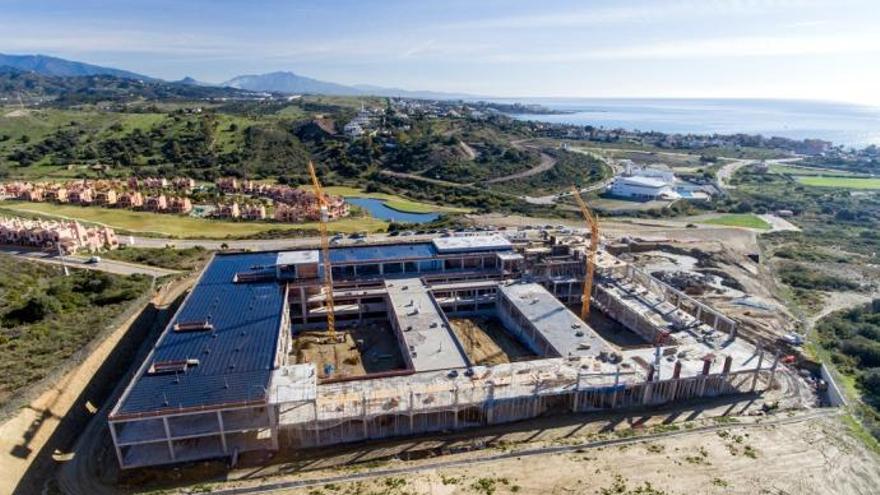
x,y
746,220
808,171
392,201
179,226
844,182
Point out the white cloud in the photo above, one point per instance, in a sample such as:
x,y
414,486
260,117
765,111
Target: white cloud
x,y
739,46
632,12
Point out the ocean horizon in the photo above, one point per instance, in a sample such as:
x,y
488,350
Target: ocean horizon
x,y
850,125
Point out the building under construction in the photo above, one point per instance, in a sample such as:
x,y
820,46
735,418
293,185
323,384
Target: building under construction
x,y
459,332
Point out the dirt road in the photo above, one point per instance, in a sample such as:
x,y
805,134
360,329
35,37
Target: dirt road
x,y
546,163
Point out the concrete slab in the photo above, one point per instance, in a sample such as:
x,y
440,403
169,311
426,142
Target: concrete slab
x,y
426,332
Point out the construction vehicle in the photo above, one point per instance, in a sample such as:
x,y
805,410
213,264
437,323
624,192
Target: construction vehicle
x,y
593,224
321,199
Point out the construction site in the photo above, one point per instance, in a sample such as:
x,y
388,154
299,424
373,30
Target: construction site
x,y
287,350
315,347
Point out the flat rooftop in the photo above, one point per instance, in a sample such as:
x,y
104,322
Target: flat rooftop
x,y
385,252
566,333
235,344
465,244
426,332
298,257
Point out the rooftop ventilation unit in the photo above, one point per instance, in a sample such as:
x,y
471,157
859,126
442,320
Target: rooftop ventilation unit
x,y
193,326
175,366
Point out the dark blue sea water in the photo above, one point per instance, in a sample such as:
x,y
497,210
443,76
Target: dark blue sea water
x,y
841,123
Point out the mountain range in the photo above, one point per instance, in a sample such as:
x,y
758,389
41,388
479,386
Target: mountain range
x,y
59,67
275,82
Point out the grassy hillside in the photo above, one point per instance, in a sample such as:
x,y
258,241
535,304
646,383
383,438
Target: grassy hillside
x,y
141,222
46,317
267,140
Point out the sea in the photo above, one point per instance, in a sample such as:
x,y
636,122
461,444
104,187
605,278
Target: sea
x,y
841,123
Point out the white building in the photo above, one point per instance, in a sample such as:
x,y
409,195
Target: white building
x,y
640,187
645,182
353,129
656,171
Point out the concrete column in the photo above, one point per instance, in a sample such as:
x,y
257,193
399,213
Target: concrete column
x,y
773,371
222,432
364,415
116,443
676,370
317,431
707,365
168,437
455,421
646,394
411,399
757,369
490,404
727,362
673,388
302,301
273,427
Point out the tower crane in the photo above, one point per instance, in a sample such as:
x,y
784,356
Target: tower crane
x,y
593,223
325,251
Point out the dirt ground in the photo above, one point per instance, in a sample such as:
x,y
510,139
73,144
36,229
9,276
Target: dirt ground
x,y
486,341
365,349
813,457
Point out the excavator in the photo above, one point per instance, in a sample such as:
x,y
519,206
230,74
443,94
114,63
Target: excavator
x,y
593,223
325,252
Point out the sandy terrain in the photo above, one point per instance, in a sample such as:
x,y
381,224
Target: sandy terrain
x,y
486,342
369,348
812,457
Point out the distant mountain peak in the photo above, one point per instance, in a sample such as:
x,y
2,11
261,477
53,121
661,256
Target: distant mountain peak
x,y
191,81
288,82
54,66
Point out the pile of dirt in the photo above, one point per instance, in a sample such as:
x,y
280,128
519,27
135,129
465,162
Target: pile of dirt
x,y
331,358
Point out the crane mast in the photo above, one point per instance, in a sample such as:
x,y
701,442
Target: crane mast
x,y
593,223
325,251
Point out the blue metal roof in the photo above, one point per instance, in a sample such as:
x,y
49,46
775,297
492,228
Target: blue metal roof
x,y
382,252
235,357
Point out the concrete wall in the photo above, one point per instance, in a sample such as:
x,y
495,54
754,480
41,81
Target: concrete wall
x,y
834,393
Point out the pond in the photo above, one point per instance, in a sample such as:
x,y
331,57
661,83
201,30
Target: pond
x,y
378,209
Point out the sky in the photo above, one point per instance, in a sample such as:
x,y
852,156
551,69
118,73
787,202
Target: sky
x,y
803,49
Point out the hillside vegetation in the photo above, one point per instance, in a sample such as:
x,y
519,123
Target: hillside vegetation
x,y
46,317
853,339
274,139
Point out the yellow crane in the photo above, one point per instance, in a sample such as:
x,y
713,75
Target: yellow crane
x,y
325,251
593,223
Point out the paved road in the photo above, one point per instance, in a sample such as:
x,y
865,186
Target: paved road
x,y
265,244
729,169
105,265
